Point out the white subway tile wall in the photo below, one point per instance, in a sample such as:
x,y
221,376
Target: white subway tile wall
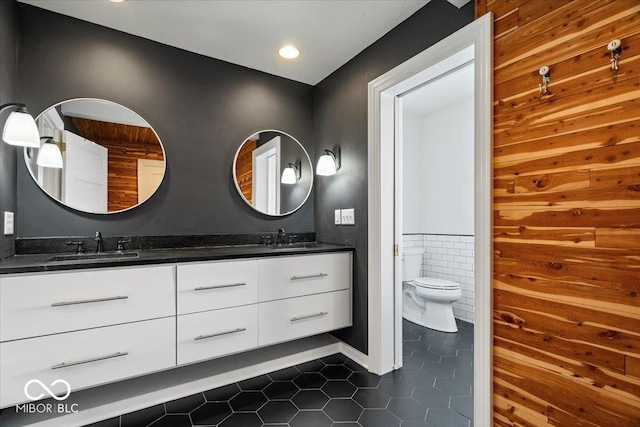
x,y
448,257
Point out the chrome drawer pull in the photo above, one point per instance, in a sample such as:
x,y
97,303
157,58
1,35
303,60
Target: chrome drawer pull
x,y
87,301
322,313
232,285
202,337
96,359
312,276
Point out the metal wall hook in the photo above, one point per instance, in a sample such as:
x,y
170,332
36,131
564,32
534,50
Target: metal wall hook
x,y
545,73
615,47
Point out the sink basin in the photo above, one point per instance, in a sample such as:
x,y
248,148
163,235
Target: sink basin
x,y
93,257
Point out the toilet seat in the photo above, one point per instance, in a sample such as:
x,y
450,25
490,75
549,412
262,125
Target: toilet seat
x,y
434,283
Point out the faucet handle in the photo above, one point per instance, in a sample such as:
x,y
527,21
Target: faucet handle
x,y
121,243
79,247
291,237
266,239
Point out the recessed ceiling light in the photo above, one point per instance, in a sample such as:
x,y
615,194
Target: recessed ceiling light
x,y
289,52
117,1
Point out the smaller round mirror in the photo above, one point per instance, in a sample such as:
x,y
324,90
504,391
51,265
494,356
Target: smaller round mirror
x,y
273,173
96,156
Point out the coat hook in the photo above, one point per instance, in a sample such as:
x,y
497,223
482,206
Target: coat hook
x,y
545,72
615,47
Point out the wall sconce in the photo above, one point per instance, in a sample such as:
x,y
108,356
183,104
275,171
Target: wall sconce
x,y
49,155
329,162
292,173
20,128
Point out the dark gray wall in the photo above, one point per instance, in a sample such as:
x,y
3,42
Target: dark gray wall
x,y
341,119
7,94
201,108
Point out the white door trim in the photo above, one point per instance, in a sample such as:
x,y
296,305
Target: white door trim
x,y
381,94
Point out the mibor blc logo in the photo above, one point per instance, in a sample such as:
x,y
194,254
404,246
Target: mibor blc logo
x,y
35,390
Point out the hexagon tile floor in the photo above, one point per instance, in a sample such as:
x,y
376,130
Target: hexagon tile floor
x,y
433,389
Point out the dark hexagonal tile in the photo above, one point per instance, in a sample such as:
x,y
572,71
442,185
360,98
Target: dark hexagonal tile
x,y
425,356
464,375
339,388
242,420
415,424
371,398
277,412
280,390
222,393
248,401
111,422
312,380
438,370
418,378
310,419
255,384
286,374
364,379
310,399
410,336
184,405
343,410
378,418
415,345
354,366
465,354
407,409
335,359
211,413
453,387
396,388
443,350
410,364
173,420
431,397
463,406
336,372
446,417
313,366
143,417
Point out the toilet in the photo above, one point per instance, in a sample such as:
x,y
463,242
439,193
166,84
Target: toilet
x,y
427,301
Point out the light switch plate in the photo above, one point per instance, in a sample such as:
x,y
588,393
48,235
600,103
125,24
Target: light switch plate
x,y
8,223
348,217
338,216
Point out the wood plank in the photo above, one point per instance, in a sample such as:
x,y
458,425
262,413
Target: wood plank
x,y
618,176
632,366
624,238
602,198
519,414
563,419
531,11
571,180
506,24
572,237
504,7
580,217
504,186
513,394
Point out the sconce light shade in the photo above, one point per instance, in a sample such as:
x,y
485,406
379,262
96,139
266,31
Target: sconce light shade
x,y
49,155
20,128
292,173
329,162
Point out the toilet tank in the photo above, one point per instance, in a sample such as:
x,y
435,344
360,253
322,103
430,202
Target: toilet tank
x,y
411,263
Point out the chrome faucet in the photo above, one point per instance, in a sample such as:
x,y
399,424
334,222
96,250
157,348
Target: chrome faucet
x,y
99,243
280,237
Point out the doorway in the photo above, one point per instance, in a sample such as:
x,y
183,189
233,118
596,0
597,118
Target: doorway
x,y
471,43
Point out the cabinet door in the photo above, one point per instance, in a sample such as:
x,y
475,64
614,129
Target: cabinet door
x,y
42,304
213,285
293,276
293,318
216,333
85,358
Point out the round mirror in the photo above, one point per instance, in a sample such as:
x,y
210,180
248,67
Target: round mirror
x,y
96,156
272,172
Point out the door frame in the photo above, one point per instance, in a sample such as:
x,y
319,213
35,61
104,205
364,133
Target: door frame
x,y
382,263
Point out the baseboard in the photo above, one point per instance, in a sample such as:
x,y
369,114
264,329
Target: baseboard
x,y
355,355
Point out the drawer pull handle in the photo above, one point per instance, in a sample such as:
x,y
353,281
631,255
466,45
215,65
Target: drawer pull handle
x,y
232,285
310,316
311,276
203,337
87,301
95,359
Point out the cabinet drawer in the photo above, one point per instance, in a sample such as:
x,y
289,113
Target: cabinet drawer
x,y
294,276
303,316
216,333
85,358
214,285
43,304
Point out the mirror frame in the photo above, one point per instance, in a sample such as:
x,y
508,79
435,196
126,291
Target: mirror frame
x,y
27,156
237,185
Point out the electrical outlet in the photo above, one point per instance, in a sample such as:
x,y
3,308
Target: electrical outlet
x,y
8,223
338,217
348,217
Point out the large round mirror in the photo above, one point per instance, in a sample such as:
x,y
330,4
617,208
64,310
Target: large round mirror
x,y
100,158
272,172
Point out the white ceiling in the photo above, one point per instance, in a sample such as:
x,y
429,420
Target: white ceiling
x,y
249,32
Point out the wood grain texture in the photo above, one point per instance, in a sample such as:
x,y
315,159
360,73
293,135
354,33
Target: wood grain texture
x,y
566,208
244,169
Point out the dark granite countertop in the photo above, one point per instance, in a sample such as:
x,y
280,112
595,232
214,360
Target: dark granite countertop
x,y
57,261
